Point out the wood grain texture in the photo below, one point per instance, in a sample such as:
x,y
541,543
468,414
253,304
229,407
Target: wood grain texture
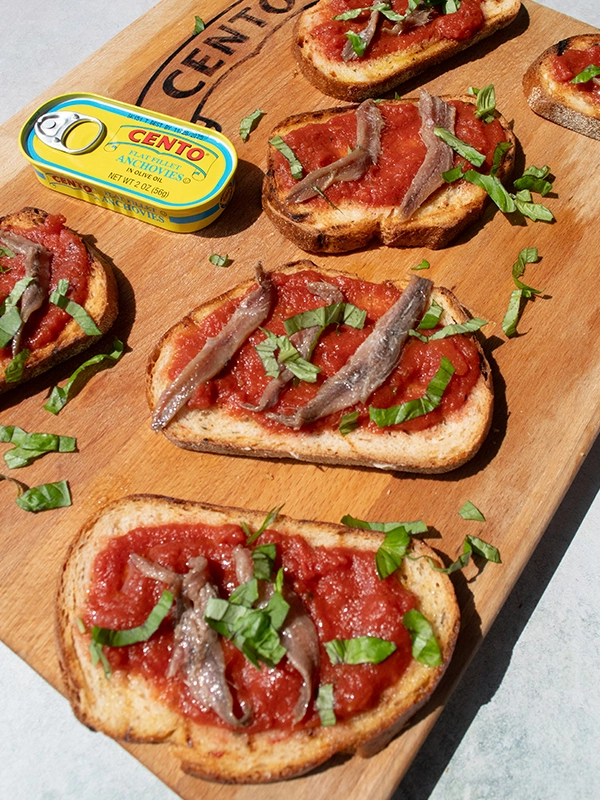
x,y
547,412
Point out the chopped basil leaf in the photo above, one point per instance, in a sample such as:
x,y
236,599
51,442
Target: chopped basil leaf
x,y
492,185
219,261
44,497
81,625
418,526
529,255
79,314
535,211
486,102
142,633
264,558
499,152
423,265
513,313
358,44
391,552
286,151
431,317
98,655
483,549
421,405
349,422
10,318
469,511
277,608
322,194
6,252
60,396
29,446
425,648
534,179
268,520
288,355
470,326
326,315
384,8
452,175
250,629
245,594
587,74
14,370
324,704
361,650
198,25
462,148
249,123
471,545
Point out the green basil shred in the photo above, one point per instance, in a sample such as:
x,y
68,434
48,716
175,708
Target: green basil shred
x,y
45,497
360,650
324,704
432,398
115,638
60,396
286,151
349,422
14,370
471,512
30,446
425,648
219,261
249,123
80,315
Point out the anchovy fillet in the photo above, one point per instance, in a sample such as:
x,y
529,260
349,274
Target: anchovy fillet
x,y
198,652
299,637
439,157
37,266
372,362
366,36
217,350
369,124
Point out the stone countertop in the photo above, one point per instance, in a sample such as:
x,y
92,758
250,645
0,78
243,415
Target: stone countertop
x,y
524,722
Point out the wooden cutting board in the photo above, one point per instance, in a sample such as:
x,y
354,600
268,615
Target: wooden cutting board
x,y
547,380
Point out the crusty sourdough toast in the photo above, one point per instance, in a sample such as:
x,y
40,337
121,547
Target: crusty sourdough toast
x,y
101,296
576,107
130,706
323,225
232,430
377,72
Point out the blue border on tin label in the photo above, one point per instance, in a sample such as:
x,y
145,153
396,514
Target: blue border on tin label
x,y
219,146
195,217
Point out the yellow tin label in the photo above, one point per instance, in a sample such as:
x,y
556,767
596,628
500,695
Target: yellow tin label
x,y
143,164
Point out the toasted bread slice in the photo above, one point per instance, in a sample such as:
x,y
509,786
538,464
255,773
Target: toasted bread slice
x,y
101,304
130,706
319,226
372,75
560,101
219,429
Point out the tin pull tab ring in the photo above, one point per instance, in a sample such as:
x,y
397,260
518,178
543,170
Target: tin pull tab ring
x,y
53,129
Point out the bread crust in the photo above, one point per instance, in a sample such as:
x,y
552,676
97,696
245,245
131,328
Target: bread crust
x,y
442,447
559,102
372,77
101,304
127,707
446,213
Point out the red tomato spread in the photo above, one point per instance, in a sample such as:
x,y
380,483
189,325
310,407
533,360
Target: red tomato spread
x,y
566,66
244,379
70,260
331,35
339,588
402,153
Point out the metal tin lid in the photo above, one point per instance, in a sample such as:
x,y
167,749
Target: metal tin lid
x,y
141,154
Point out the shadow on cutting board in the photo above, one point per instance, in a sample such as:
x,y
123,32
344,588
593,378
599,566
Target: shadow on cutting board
x,y
486,672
